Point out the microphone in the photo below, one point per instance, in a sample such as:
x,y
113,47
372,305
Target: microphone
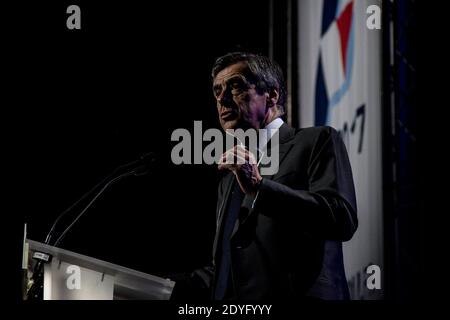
x,y
138,167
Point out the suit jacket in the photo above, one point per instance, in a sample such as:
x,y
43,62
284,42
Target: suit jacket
x,y
287,243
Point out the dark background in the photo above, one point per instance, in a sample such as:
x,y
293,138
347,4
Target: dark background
x,y
82,102
89,100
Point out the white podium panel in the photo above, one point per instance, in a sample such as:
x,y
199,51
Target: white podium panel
x,y
72,276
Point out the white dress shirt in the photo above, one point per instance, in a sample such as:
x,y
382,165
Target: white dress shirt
x,y
271,128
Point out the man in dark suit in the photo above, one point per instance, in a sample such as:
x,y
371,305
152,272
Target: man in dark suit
x,y
278,236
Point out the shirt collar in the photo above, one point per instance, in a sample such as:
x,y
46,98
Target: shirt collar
x,y
274,124
270,129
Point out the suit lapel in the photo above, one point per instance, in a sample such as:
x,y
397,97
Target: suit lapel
x,y
286,135
286,142
228,182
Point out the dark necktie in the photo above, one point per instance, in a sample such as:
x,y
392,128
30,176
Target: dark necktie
x,y
225,262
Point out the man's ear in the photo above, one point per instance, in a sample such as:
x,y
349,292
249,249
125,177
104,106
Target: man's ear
x,y
272,97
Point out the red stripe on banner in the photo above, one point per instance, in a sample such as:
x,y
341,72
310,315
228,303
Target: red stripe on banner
x,y
343,24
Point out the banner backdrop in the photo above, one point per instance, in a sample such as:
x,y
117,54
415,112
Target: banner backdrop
x,y
340,86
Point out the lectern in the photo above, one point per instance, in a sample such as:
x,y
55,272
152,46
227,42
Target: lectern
x,y
72,276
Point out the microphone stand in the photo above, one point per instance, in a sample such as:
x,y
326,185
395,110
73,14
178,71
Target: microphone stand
x,y
123,175
143,159
36,290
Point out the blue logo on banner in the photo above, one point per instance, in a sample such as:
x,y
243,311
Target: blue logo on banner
x,y
332,81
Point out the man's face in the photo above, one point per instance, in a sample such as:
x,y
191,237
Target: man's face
x,y
238,103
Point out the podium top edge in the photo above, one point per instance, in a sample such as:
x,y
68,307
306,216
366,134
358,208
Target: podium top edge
x,y
94,263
